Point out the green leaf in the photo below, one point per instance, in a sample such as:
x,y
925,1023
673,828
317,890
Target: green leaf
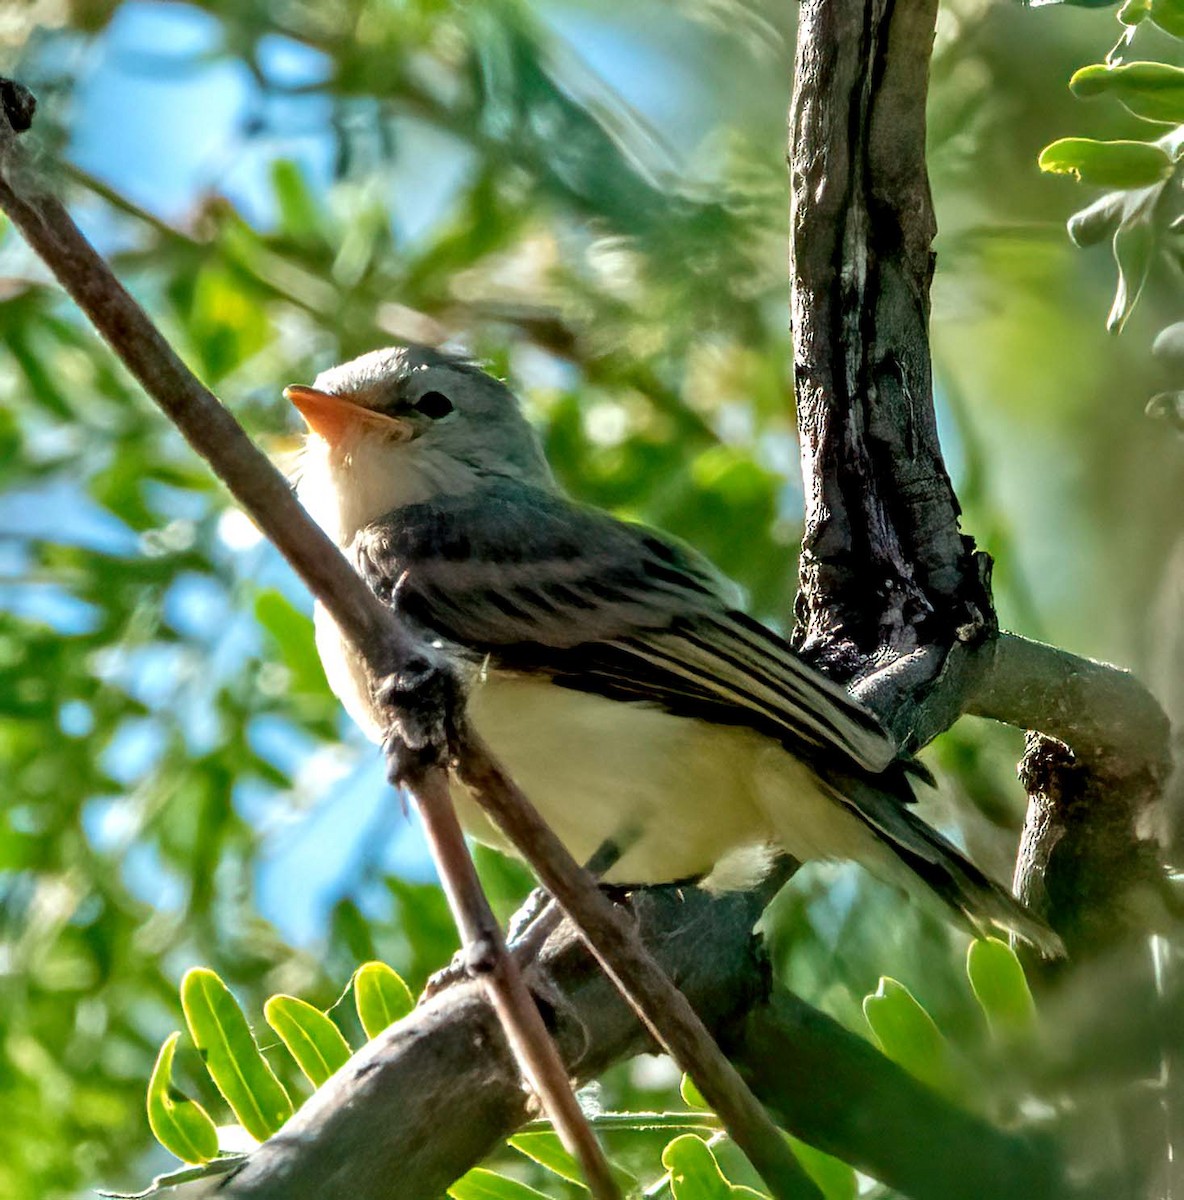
x,y
695,1174
226,320
997,980
179,1124
1154,91
292,632
300,216
1134,12
907,1035
835,1179
1169,16
1133,244
547,1150
1099,220
311,1037
1120,164
689,1091
239,1071
480,1184
381,997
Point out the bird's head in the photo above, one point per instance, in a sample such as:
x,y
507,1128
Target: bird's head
x,y
402,426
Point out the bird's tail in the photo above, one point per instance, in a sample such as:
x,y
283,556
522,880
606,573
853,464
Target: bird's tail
x,y
830,811
882,802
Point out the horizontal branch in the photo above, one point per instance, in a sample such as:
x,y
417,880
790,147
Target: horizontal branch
x,y
434,1094
1108,717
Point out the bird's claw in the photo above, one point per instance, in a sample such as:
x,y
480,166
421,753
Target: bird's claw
x,y
420,699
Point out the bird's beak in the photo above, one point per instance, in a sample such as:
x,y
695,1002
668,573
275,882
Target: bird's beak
x,y
331,417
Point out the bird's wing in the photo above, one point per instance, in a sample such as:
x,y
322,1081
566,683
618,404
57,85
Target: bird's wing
x,y
540,584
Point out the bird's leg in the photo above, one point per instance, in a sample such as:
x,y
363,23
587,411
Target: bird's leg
x,y
539,916
531,925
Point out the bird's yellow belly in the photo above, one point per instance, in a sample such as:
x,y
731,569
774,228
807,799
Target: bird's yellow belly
x,y
672,793
677,795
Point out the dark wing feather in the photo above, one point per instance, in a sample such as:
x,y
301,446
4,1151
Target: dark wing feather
x,y
540,584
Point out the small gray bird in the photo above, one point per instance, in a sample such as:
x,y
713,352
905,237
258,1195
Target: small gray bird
x,y
608,666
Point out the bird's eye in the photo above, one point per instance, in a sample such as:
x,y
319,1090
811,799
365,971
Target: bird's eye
x,y
434,405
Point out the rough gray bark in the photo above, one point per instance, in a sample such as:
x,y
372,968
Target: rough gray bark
x,y
885,570
893,596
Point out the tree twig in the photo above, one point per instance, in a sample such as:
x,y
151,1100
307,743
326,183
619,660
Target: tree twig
x,y
487,961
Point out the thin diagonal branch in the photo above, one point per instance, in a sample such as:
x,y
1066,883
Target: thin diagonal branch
x,y
487,961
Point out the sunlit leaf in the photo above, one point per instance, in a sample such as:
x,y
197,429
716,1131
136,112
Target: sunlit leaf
x,y
481,1184
1118,164
997,979
238,1069
695,1173
179,1124
1151,90
907,1035
312,1039
690,1093
381,997
547,1150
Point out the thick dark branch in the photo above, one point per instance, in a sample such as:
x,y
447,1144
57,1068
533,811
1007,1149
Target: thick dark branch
x,y
434,1094
1113,722
885,570
892,595
1085,862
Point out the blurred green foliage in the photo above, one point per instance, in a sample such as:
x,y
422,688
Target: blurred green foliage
x,y
612,238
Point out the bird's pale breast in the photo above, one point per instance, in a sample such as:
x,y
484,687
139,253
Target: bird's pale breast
x,y
677,794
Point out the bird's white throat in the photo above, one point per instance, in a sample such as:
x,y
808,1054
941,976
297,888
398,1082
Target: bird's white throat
x,y
348,484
